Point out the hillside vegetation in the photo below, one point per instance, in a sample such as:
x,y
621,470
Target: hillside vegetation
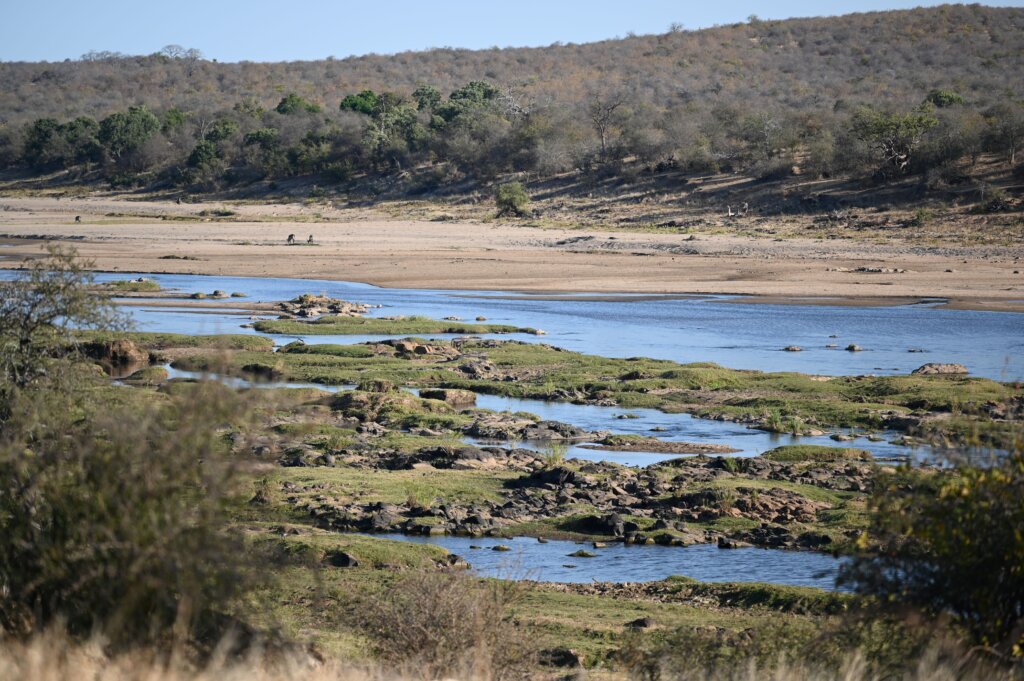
x,y
929,94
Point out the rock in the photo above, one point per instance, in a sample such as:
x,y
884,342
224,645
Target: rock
x,y
793,348
642,623
500,547
450,396
341,559
481,318
456,562
813,540
262,372
934,368
117,353
560,657
148,376
582,553
726,543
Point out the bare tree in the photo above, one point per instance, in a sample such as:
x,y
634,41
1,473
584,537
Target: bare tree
x,y
602,108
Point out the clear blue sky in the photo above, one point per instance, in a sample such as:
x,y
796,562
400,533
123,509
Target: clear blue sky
x,y
283,30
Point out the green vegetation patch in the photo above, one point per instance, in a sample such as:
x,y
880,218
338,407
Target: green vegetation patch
x,y
163,341
131,286
330,325
819,453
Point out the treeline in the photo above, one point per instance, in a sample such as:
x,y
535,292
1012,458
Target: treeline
x,y
885,94
482,131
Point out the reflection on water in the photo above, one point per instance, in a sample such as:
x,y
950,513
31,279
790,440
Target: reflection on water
x,y
550,562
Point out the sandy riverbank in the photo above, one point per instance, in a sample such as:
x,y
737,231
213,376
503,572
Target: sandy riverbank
x,y
131,236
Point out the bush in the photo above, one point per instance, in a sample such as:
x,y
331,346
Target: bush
x,y
922,216
950,542
444,624
943,98
37,312
996,201
512,199
113,522
110,504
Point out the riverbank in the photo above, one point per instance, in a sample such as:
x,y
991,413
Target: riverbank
x,y
372,247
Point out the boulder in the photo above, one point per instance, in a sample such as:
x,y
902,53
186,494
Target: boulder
x,y
456,398
934,368
341,559
642,623
117,353
560,657
726,543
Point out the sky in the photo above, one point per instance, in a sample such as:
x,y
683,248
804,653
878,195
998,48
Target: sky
x,y
288,30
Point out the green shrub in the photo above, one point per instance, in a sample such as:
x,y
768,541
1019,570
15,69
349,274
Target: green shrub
x,y
922,216
512,199
951,543
110,508
943,98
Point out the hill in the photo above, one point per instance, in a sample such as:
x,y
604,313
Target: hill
x,y
914,99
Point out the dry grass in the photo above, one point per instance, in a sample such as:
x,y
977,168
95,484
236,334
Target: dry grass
x,y
52,657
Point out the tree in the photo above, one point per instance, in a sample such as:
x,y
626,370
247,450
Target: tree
x,y
249,106
602,110
266,138
293,103
512,199
474,95
1006,128
38,311
124,132
173,119
112,517
427,98
187,56
894,136
943,98
44,145
221,130
763,131
365,102
203,154
950,541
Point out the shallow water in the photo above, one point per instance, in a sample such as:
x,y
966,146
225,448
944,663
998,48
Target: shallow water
x,y
239,382
677,427
529,559
705,329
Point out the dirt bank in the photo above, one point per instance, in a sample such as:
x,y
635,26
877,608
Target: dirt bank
x,y
361,245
